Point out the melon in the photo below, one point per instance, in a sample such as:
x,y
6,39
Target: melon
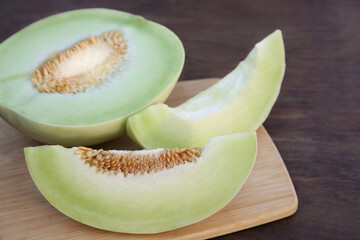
x,y
240,102
145,191
74,78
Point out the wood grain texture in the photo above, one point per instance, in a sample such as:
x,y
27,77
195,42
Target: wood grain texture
x,y
268,194
315,123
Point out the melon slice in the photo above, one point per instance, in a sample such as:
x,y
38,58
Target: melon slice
x,y
147,191
74,78
239,102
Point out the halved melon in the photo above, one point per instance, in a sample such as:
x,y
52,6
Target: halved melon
x,y
74,78
146,191
239,102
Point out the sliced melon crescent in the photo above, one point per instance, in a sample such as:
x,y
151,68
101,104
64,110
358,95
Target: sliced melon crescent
x,y
239,102
74,78
146,191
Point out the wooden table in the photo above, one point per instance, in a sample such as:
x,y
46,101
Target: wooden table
x,y
315,122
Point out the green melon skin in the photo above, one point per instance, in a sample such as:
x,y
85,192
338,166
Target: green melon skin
x,y
149,203
240,102
151,67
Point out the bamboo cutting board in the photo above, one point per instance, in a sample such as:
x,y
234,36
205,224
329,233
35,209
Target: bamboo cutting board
x,y
268,194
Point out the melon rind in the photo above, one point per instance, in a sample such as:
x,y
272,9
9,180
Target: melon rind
x,y
240,102
149,203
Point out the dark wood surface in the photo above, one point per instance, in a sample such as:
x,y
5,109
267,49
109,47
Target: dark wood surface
x,y
316,120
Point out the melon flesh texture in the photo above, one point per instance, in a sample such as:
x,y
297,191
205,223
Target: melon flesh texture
x,y
148,203
239,102
148,73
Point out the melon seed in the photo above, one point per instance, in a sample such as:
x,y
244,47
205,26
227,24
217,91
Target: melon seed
x,y
133,163
82,66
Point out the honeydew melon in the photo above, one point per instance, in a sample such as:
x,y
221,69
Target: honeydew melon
x,y
149,201
241,101
74,78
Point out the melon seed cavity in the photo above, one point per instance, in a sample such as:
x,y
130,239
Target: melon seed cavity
x,y
133,162
82,66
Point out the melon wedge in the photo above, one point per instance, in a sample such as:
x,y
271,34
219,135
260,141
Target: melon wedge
x,y
143,203
239,102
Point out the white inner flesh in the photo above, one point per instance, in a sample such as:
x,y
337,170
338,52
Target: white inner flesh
x,y
86,59
217,97
155,152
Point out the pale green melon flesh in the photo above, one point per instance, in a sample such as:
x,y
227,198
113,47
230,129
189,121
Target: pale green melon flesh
x,y
241,101
148,203
150,69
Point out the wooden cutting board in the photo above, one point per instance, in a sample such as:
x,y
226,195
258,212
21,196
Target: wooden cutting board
x,y
268,194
